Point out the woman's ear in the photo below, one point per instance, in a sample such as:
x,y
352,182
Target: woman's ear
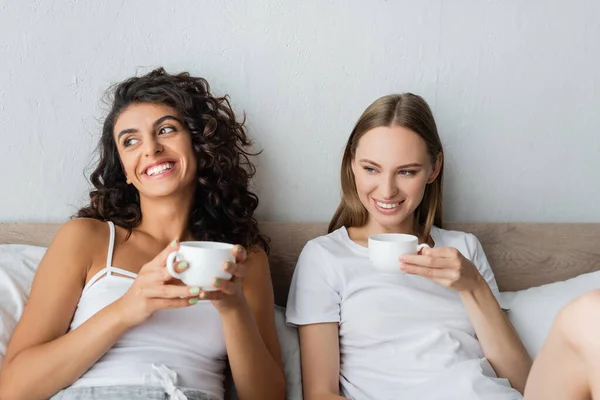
x,y
437,167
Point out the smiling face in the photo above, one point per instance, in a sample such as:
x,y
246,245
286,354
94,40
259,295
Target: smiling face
x,y
155,149
391,168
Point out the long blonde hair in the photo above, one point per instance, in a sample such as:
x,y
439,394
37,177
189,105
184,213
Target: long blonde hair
x,y
408,111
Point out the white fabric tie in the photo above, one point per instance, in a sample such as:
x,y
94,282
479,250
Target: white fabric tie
x,y
168,380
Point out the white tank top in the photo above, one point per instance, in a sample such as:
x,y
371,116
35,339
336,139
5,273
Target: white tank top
x,y
175,347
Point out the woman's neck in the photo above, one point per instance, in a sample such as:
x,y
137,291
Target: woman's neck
x,y
166,219
407,226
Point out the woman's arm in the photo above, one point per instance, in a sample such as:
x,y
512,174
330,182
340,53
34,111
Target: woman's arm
x,y
320,361
42,358
249,329
499,341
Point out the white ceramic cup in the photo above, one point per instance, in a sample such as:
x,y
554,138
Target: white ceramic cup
x,y
385,248
205,263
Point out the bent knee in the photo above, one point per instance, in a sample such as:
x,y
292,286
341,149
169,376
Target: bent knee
x,y
586,305
580,319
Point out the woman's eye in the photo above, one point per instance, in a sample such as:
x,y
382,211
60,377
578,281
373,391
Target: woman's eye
x,y
166,129
406,172
369,170
130,142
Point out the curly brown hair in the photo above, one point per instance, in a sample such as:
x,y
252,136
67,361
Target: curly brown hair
x,y
223,206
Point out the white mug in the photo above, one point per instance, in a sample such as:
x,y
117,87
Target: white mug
x,y
385,248
205,263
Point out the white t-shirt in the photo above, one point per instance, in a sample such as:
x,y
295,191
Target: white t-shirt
x,y
401,335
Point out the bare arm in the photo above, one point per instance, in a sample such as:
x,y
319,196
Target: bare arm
x,y
500,343
39,351
251,337
320,352
42,358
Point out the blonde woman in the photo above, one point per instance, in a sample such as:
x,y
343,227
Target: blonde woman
x,y
434,332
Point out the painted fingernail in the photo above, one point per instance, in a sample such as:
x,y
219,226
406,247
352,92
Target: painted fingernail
x,y
403,267
193,301
183,265
239,249
194,290
174,243
401,258
217,282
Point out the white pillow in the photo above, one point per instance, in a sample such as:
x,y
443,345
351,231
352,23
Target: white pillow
x,y
532,311
17,267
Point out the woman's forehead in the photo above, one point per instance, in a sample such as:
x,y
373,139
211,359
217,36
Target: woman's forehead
x,y
391,143
141,115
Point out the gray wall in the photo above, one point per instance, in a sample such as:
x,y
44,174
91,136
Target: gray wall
x,y
512,85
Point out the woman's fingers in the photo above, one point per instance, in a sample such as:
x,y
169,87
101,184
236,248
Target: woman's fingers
x,y
161,304
236,270
420,260
443,257
240,253
170,291
431,273
225,286
179,267
211,295
160,260
440,252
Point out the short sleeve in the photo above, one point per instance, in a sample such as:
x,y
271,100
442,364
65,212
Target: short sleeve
x,y
480,260
315,290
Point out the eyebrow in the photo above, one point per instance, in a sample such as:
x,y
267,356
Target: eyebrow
x,y
411,165
154,125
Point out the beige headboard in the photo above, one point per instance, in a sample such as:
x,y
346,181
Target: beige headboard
x,y
522,254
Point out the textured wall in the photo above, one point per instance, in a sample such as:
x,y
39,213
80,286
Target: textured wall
x,y
512,84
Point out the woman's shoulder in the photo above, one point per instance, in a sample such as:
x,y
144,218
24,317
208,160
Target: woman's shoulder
x,y
329,249
76,247
331,240
82,236
83,229
449,234
465,242
453,238
256,255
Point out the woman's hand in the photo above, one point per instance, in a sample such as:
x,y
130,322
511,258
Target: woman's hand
x,y
229,293
444,265
154,289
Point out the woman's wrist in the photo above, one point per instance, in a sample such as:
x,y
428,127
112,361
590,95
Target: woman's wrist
x,y
118,317
237,310
478,295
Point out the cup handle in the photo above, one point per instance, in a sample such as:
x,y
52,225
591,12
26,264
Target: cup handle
x,y
170,258
421,247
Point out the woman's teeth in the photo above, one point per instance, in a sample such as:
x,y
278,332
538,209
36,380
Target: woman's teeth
x,y
387,205
159,169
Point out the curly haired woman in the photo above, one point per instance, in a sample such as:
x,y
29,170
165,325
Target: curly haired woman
x,y
173,167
